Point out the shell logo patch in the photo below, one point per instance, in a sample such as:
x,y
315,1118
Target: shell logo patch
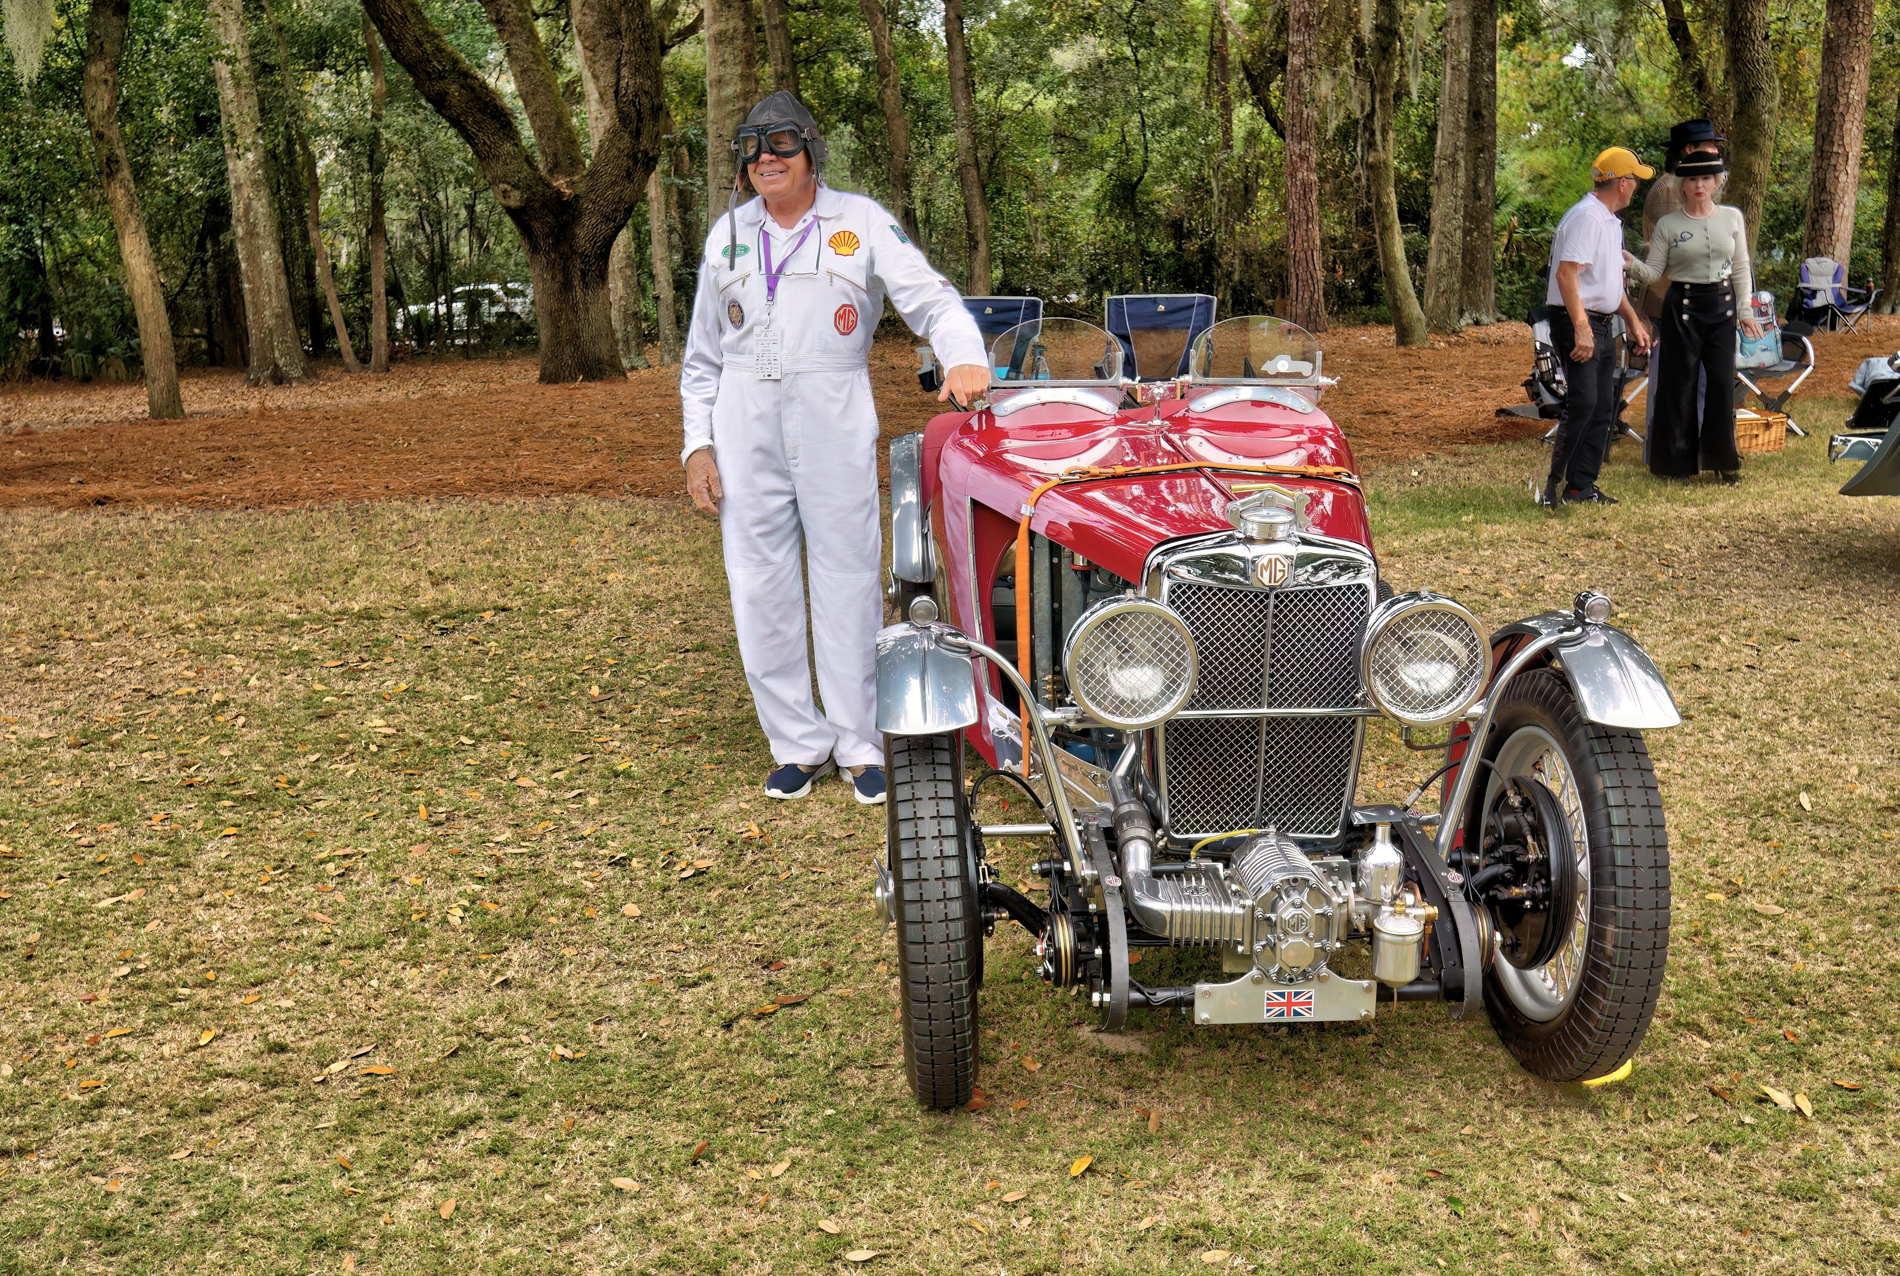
x,y
844,243
736,313
845,319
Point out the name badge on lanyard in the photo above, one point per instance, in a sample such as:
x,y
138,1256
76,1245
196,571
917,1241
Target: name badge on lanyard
x,y
767,351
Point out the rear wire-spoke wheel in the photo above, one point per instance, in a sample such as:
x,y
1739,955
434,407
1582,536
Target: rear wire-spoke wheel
x,y
938,916
1584,1011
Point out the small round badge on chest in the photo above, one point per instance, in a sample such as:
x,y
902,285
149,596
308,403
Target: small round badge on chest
x,y
736,313
845,319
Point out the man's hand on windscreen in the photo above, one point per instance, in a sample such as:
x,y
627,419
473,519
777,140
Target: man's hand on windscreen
x,y
966,383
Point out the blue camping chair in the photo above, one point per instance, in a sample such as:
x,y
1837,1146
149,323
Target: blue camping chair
x,y
1156,330
994,316
1823,297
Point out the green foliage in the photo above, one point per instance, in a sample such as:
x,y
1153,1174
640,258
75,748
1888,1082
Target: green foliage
x,y
1099,141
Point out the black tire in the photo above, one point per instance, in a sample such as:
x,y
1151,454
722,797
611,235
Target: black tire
x,y
1583,1014
939,917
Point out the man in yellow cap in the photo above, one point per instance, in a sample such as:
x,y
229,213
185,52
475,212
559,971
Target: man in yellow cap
x,y
1585,293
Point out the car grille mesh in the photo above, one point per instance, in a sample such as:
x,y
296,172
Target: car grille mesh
x,y
1241,773
1285,649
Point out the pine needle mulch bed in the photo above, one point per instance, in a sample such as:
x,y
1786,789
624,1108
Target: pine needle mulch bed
x,y
438,428
385,888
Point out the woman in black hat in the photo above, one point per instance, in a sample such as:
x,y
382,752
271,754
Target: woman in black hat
x,y
1703,250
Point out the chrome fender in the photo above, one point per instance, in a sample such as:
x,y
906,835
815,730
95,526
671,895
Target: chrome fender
x,y
910,538
1615,681
923,688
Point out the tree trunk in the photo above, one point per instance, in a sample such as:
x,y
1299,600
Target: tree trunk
x,y
976,204
276,350
99,93
378,221
313,195
779,49
1445,258
890,98
568,218
732,89
623,266
1306,274
1689,53
1477,284
1385,63
1754,109
1890,231
1840,120
662,251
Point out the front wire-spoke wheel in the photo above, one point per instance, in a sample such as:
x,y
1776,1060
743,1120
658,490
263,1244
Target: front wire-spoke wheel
x,y
938,915
1583,1009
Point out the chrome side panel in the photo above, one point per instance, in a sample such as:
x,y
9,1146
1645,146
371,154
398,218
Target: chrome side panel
x,y
910,537
1616,683
922,688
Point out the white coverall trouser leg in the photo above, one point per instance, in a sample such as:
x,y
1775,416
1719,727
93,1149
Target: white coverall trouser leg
x,y
798,464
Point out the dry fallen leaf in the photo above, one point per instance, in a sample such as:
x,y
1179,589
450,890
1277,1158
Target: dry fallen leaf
x,y
1154,1121
1781,1098
976,1105
1806,1108
1768,910
1079,1165
344,1162
780,1168
379,1071
1214,1256
120,1032
1724,1095
1010,1198
448,1207
1714,896
630,910
1626,1198
1848,1085
114,1186
179,1155
861,1255
1030,1065
1146,1223
625,1185
1807,803
698,1152
830,1225
321,918
208,1034
1019,1105
980,1230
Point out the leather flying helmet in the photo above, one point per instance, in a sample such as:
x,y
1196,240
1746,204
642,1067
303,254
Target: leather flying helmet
x,y
782,125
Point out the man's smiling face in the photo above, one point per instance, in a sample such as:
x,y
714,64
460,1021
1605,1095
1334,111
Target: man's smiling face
x,y
773,177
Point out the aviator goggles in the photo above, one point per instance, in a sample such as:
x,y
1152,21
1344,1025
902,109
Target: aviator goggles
x,y
753,140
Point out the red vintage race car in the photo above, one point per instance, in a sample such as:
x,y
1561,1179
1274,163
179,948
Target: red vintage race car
x,y
1155,607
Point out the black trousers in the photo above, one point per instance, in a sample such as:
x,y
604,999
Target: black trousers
x,y
1685,438
1589,404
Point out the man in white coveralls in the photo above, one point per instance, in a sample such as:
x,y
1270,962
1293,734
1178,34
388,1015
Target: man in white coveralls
x,y
781,434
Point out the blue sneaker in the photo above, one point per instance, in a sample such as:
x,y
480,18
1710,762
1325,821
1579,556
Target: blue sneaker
x,y
868,783
794,781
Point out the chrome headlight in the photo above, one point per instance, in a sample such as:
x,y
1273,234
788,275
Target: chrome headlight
x,y
1130,663
1424,661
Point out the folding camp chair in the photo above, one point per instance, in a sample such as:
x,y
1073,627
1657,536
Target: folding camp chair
x,y
1548,387
1797,361
1823,296
1156,330
1872,434
994,316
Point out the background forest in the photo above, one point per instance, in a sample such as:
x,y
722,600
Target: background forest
x,y
1112,146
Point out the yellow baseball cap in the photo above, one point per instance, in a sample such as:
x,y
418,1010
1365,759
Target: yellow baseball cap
x,y
1619,161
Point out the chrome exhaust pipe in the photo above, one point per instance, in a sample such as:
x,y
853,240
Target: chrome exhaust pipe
x,y
1193,906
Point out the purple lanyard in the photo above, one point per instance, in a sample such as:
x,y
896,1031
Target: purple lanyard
x,y
773,276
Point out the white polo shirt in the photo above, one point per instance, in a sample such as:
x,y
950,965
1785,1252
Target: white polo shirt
x,y
1589,233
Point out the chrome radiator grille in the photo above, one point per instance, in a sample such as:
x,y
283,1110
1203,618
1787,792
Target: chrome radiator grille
x,y
1286,649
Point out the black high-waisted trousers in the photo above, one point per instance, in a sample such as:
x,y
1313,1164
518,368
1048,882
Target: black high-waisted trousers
x,y
1698,327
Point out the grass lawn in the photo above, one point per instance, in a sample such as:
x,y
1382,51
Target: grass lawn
x,y
386,888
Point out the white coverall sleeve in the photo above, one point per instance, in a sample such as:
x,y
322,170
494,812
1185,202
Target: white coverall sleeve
x,y
927,301
701,363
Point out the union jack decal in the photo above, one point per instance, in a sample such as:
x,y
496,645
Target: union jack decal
x,y
1289,1005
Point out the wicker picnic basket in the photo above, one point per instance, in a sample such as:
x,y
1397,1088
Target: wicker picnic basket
x,y
1757,431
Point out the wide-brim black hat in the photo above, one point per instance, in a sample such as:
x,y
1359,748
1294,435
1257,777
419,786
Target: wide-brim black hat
x,y
1689,132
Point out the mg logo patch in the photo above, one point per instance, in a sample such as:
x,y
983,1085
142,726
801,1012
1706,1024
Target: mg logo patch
x,y
1272,571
